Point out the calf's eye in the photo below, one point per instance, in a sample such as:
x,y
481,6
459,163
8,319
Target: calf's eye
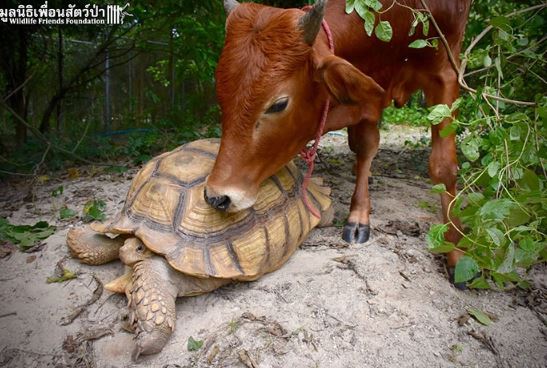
x,y
278,106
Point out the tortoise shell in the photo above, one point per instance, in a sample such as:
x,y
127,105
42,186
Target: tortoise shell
x,y
166,209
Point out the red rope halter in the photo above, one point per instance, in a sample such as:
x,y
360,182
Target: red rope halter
x,y
308,154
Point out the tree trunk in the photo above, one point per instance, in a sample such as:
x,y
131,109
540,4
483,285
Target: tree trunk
x,y
14,51
60,67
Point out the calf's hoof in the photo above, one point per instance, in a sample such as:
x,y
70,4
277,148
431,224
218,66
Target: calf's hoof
x,y
356,233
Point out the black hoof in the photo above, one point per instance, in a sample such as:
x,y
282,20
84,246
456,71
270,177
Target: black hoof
x,y
459,285
356,233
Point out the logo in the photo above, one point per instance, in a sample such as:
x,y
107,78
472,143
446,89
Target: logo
x,y
89,14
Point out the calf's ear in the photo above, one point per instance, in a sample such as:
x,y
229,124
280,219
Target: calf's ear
x,y
349,86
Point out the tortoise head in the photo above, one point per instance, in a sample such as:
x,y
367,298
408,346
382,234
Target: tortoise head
x,y
133,251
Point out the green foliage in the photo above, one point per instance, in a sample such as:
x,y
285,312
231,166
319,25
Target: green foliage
x,y
439,188
57,191
366,10
94,210
435,239
194,345
411,114
66,213
466,269
25,236
502,200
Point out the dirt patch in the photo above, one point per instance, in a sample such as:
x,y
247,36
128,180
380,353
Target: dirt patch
x,y
383,304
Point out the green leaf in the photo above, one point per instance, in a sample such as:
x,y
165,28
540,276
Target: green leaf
x,y
350,5
475,197
448,129
438,113
435,239
374,4
383,31
444,247
361,8
528,252
493,168
487,61
94,210
514,133
194,345
501,23
369,22
479,283
438,188
530,181
517,217
466,269
497,62
418,44
507,265
470,149
496,235
57,191
425,26
66,213
496,209
479,315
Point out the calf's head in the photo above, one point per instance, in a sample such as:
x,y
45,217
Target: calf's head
x,y
272,83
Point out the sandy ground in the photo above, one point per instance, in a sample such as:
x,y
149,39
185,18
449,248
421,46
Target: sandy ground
x,y
383,304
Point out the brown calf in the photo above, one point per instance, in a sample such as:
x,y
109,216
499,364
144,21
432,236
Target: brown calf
x,y
276,72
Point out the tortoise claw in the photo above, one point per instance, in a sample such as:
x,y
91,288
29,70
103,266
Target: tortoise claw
x,y
136,353
356,233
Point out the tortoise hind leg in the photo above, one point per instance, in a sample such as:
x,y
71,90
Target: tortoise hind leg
x,y
91,247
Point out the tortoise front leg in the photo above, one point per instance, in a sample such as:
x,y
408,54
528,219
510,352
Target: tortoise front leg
x,y
154,289
152,305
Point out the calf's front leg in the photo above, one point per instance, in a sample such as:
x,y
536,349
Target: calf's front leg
x,y
364,139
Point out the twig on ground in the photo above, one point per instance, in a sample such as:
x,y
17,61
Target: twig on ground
x,y
94,297
348,263
8,314
485,340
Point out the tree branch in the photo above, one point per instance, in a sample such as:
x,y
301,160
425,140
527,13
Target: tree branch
x,y
460,70
41,137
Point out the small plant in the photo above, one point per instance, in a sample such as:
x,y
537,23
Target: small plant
x,y
66,213
233,325
94,210
194,345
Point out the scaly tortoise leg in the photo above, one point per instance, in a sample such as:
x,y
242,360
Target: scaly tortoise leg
x,y
152,291
155,287
152,305
91,247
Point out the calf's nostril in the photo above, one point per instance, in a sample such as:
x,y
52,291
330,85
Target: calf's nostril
x,y
220,202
